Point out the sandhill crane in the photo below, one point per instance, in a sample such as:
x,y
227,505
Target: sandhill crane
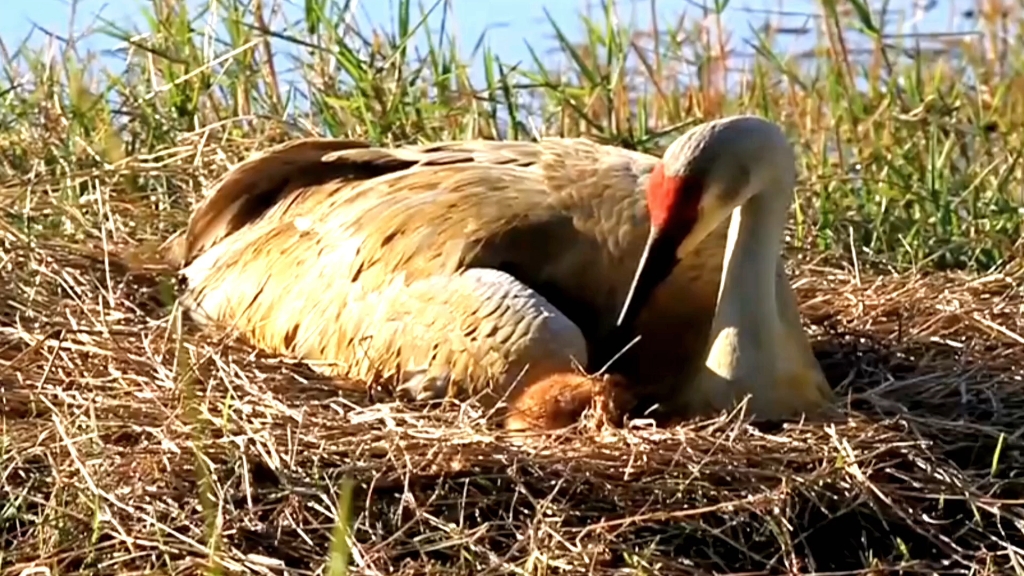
x,y
480,268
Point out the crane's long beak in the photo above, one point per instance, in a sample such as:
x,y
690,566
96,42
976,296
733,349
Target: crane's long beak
x,y
656,264
661,254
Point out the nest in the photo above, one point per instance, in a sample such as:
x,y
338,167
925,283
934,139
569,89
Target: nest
x,y
131,444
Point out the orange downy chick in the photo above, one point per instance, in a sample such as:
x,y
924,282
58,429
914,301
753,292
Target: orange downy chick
x,y
559,401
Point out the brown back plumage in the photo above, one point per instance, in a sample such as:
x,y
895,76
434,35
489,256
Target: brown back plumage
x,y
308,247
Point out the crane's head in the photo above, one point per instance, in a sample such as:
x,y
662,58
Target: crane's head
x,y
703,176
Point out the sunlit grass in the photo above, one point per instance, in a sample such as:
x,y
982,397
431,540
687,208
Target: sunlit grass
x,y
902,159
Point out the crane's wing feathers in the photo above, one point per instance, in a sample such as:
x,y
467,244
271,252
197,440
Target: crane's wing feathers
x,y
322,220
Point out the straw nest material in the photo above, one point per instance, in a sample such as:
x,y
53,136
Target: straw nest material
x,y
132,444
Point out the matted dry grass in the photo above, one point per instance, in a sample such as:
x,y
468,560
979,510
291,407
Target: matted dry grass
x,y
116,461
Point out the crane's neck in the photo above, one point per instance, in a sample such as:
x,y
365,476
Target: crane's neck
x,y
746,326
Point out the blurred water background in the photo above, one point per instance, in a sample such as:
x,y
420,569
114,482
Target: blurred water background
x,y
508,26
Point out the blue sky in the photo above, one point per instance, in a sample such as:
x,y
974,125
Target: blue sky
x,y
511,21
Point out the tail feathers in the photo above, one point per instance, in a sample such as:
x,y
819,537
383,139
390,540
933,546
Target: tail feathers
x,y
152,257
173,251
